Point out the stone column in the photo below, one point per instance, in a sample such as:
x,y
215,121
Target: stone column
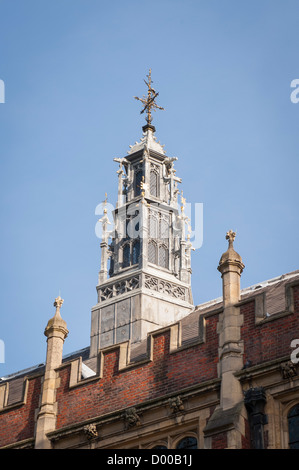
x,y
230,346
229,418
56,332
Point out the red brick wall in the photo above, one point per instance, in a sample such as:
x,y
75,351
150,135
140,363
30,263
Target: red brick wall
x,y
167,373
18,423
270,340
219,441
246,444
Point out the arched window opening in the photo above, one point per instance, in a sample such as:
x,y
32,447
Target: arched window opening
x,y
126,255
293,420
187,443
160,447
137,185
111,267
152,252
164,229
154,183
153,227
163,256
136,252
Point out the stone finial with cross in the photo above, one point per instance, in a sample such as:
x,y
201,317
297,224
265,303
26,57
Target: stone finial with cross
x,y
230,236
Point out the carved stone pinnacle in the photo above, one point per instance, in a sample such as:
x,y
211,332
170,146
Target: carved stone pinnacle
x,y
58,302
230,236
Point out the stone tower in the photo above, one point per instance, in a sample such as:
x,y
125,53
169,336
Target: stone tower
x,y
148,284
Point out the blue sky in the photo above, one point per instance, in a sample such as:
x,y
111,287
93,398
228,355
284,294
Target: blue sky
x,y
71,69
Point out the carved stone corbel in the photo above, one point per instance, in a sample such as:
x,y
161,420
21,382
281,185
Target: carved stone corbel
x,y
90,430
176,404
131,418
288,370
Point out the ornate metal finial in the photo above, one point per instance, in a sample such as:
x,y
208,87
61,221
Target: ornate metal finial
x,y
149,101
230,236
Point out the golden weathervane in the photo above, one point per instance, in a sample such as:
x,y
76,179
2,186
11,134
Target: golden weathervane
x,y
149,101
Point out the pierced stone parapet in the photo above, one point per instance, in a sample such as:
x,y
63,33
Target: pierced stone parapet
x,y
119,288
165,287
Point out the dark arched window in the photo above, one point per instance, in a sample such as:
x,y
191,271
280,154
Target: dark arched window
x,y
137,184
160,447
111,269
126,255
187,443
154,183
293,419
136,252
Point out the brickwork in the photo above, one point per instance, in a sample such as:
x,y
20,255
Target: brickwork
x,y
269,340
219,441
166,374
18,423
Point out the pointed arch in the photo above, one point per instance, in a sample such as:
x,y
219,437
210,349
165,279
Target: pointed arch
x,y
152,252
136,251
137,182
126,255
154,180
153,226
293,422
163,256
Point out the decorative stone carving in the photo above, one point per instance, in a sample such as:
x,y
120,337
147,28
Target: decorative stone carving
x,y
151,283
58,303
118,288
164,287
288,370
131,418
176,404
91,431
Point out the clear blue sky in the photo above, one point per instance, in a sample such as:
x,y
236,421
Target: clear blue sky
x,y
71,69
